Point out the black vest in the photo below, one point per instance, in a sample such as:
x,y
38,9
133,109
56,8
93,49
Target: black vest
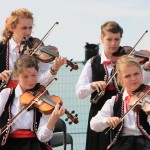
x,y
4,54
141,120
98,74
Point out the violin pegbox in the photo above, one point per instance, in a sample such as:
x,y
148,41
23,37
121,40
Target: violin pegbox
x,y
73,66
70,116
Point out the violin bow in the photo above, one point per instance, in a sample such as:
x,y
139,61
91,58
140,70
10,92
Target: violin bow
x,y
45,36
98,96
130,109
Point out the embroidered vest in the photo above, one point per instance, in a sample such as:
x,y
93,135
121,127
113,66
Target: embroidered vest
x,y
3,48
4,54
99,74
141,121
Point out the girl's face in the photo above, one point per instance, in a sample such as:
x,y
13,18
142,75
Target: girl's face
x,y
27,78
22,29
111,42
130,77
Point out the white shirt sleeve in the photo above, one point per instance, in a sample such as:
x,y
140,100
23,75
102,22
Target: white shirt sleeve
x,y
146,76
44,74
4,94
44,134
98,122
83,86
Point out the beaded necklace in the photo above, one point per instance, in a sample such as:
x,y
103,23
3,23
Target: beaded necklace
x,y
7,56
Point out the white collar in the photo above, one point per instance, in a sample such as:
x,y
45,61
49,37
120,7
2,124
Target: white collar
x,y
12,44
18,91
103,57
125,94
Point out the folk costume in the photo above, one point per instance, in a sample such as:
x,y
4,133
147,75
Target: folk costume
x,y
29,131
8,56
133,133
96,69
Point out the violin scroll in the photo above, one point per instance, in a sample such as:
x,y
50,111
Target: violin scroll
x,y
73,66
74,119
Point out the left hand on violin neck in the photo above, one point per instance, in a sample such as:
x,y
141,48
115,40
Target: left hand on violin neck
x,y
147,65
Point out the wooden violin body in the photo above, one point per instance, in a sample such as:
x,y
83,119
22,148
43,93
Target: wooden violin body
x,y
43,101
142,56
45,53
141,99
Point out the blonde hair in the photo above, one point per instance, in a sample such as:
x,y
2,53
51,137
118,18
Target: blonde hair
x,y
127,61
111,26
13,20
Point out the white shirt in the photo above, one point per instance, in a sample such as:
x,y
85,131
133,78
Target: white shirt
x,y
83,86
44,74
25,121
98,122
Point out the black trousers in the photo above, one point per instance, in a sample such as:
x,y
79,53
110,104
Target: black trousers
x,y
132,143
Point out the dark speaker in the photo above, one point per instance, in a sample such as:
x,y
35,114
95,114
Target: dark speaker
x,y
91,50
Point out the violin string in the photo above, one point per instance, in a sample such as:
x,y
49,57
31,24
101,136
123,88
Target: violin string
x,y
97,97
45,36
130,109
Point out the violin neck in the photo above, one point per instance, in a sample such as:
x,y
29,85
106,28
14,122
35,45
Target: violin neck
x,y
139,54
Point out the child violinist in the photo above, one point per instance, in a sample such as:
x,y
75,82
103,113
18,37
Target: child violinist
x,y
133,132
32,129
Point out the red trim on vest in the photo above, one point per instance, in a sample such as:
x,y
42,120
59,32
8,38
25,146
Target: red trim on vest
x,y
110,87
12,84
22,134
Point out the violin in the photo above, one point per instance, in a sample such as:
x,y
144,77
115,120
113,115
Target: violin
x,y
38,97
44,102
141,99
142,56
45,53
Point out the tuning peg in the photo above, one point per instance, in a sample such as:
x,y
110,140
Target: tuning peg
x,y
70,122
66,65
73,112
76,115
66,119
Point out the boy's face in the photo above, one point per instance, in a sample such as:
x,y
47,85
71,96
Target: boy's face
x,y
27,78
111,42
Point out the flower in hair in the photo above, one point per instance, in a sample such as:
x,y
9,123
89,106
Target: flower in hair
x,y
7,19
